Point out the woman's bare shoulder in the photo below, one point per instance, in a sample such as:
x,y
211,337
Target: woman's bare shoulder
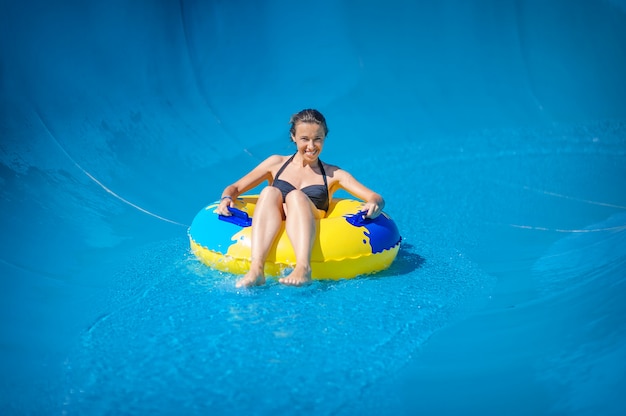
x,y
333,170
274,160
330,167
273,163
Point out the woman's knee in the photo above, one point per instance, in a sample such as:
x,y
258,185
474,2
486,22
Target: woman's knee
x,y
296,197
298,201
271,193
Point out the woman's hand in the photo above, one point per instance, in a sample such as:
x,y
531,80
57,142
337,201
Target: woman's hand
x,y
222,208
374,207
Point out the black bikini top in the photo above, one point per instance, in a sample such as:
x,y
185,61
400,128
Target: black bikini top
x,y
318,194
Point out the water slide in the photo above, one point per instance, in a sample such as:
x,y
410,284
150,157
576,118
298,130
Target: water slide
x,y
495,129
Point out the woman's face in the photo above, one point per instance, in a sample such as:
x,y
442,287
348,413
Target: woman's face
x,y
309,140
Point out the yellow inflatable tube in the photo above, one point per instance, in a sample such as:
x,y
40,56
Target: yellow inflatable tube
x,y
346,244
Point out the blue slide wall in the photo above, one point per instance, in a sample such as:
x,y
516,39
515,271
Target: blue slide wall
x,y
120,119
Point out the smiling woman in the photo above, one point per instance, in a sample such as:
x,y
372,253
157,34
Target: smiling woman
x,y
300,199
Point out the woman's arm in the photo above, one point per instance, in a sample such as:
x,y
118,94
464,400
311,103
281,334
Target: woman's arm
x,y
262,172
374,203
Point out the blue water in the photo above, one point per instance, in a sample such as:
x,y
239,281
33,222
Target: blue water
x,y
496,131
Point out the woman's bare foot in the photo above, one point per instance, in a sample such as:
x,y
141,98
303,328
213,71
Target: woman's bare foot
x,y
298,277
255,277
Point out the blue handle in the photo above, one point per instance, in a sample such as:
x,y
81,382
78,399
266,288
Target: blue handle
x,y
239,217
358,219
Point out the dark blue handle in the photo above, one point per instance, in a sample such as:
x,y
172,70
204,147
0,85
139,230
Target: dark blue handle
x,y
239,217
358,219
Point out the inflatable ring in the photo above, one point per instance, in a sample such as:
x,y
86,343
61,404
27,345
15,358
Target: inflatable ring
x,y
346,244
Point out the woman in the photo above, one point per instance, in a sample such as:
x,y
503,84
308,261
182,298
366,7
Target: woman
x,y
300,190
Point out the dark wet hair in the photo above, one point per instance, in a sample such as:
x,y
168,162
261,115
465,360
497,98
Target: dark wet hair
x,y
308,116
